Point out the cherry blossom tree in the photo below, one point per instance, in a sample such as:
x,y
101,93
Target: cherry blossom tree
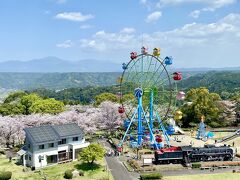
x,y
89,118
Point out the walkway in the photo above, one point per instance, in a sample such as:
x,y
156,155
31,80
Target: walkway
x,y
117,168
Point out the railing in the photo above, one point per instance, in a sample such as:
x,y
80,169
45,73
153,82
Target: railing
x,y
64,157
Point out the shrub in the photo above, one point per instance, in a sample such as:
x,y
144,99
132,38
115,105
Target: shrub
x,y
134,164
2,151
5,175
68,174
214,124
151,176
196,165
81,173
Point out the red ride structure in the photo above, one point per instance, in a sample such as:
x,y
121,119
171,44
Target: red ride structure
x,y
133,55
121,110
177,76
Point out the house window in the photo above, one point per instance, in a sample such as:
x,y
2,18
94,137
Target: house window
x,y
75,138
29,146
29,158
41,146
63,141
50,145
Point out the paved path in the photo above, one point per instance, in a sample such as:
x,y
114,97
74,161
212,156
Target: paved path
x,y
117,168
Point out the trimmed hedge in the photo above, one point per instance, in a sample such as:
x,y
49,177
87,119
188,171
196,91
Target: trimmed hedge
x,y
68,174
221,163
196,165
5,175
151,176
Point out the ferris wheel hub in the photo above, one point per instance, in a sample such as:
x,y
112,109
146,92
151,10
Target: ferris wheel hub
x,y
138,92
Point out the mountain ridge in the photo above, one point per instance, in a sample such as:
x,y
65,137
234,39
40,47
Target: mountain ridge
x,y
52,64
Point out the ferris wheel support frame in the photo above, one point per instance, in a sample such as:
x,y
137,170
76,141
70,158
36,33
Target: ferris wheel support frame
x,y
141,117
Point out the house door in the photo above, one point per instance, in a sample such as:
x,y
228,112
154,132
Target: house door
x,y
62,156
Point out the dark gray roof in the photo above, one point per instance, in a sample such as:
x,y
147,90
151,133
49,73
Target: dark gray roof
x,y
51,133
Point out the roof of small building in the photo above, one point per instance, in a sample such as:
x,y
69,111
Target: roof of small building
x,y
50,133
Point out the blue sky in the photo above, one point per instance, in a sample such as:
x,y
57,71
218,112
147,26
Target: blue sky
x,y
197,33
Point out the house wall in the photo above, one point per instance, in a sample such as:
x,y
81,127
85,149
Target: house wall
x,y
81,145
54,151
44,153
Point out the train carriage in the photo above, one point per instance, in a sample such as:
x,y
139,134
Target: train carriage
x,y
188,154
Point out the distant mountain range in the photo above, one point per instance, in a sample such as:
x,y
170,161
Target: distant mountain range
x,y
54,64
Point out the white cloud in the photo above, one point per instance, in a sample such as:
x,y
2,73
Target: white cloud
x,y
143,1
102,40
65,44
146,3
74,16
195,14
128,30
192,44
86,26
61,1
210,5
153,16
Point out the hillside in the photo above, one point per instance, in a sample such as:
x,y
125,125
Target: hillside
x,y
215,81
55,81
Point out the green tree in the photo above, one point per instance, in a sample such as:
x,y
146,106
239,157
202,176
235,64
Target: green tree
x,y
92,153
128,97
28,100
49,106
201,102
11,109
105,97
14,97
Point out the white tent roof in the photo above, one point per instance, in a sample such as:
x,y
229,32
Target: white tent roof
x,y
21,152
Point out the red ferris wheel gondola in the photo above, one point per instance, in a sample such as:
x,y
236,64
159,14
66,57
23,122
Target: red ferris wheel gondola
x,y
121,109
177,76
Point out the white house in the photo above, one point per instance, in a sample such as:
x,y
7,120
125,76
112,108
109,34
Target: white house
x,y
51,144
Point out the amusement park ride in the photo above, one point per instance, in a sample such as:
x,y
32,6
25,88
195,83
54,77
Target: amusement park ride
x,y
147,95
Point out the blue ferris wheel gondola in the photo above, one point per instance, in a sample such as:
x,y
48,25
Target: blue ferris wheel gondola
x,y
124,66
168,60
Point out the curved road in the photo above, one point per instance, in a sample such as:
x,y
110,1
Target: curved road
x,y
117,168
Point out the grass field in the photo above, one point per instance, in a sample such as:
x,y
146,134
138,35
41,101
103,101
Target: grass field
x,y
55,172
223,176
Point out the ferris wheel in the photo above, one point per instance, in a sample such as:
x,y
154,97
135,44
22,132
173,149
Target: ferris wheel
x,y
147,94
149,73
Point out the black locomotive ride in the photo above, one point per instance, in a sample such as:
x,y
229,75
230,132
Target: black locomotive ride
x,y
188,154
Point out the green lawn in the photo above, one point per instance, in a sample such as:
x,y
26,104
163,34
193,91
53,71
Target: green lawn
x,y
223,176
54,172
17,171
